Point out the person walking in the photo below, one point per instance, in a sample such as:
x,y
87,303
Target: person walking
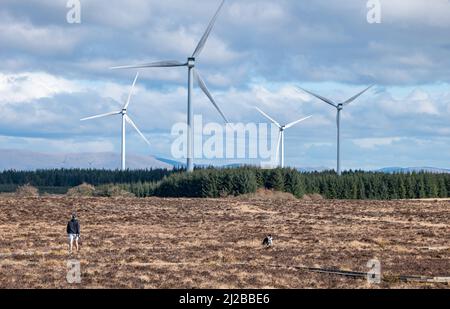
x,y
73,232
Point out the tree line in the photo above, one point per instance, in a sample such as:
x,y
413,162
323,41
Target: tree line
x,y
356,185
213,183
75,177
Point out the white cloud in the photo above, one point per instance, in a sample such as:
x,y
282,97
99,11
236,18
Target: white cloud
x,y
71,146
117,13
371,143
29,86
25,36
418,102
422,102
314,145
434,13
58,146
256,11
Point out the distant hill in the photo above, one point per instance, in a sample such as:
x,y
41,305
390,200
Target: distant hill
x,y
386,170
313,169
173,163
30,161
433,170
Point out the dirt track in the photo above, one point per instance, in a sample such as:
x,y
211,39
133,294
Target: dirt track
x,y
156,243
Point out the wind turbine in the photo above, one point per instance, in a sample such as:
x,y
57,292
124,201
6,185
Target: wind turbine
x,y
65,161
192,74
339,107
280,145
125,119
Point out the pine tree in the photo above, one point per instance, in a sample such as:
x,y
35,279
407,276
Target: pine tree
x,y
294,183
420,187
275,180
361,190
442,188
431,187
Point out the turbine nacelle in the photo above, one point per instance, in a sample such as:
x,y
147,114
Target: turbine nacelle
x,y
191,62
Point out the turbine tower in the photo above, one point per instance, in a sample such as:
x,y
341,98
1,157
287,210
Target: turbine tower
x,y
281,140
339,107
192,74
125,119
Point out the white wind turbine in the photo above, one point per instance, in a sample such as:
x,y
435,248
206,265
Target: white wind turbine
x,y
125,119
192,73
280,145
339,107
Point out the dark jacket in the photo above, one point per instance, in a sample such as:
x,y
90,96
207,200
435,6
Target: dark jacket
x,y
73,227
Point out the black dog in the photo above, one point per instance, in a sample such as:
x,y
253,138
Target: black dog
x,y
268,241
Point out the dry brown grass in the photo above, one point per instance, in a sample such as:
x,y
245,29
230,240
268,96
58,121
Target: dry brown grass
x,y
190,243
83,190
267,195
113,191
313,197
27,191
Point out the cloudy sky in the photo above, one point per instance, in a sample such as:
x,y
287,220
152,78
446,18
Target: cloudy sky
x,y
53,73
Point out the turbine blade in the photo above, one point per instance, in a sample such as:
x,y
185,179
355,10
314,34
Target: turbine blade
x,y
269,118
159,64
131,91
356,96
101,116
278,147
131,122
202,85
328,101
296,122
205,36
